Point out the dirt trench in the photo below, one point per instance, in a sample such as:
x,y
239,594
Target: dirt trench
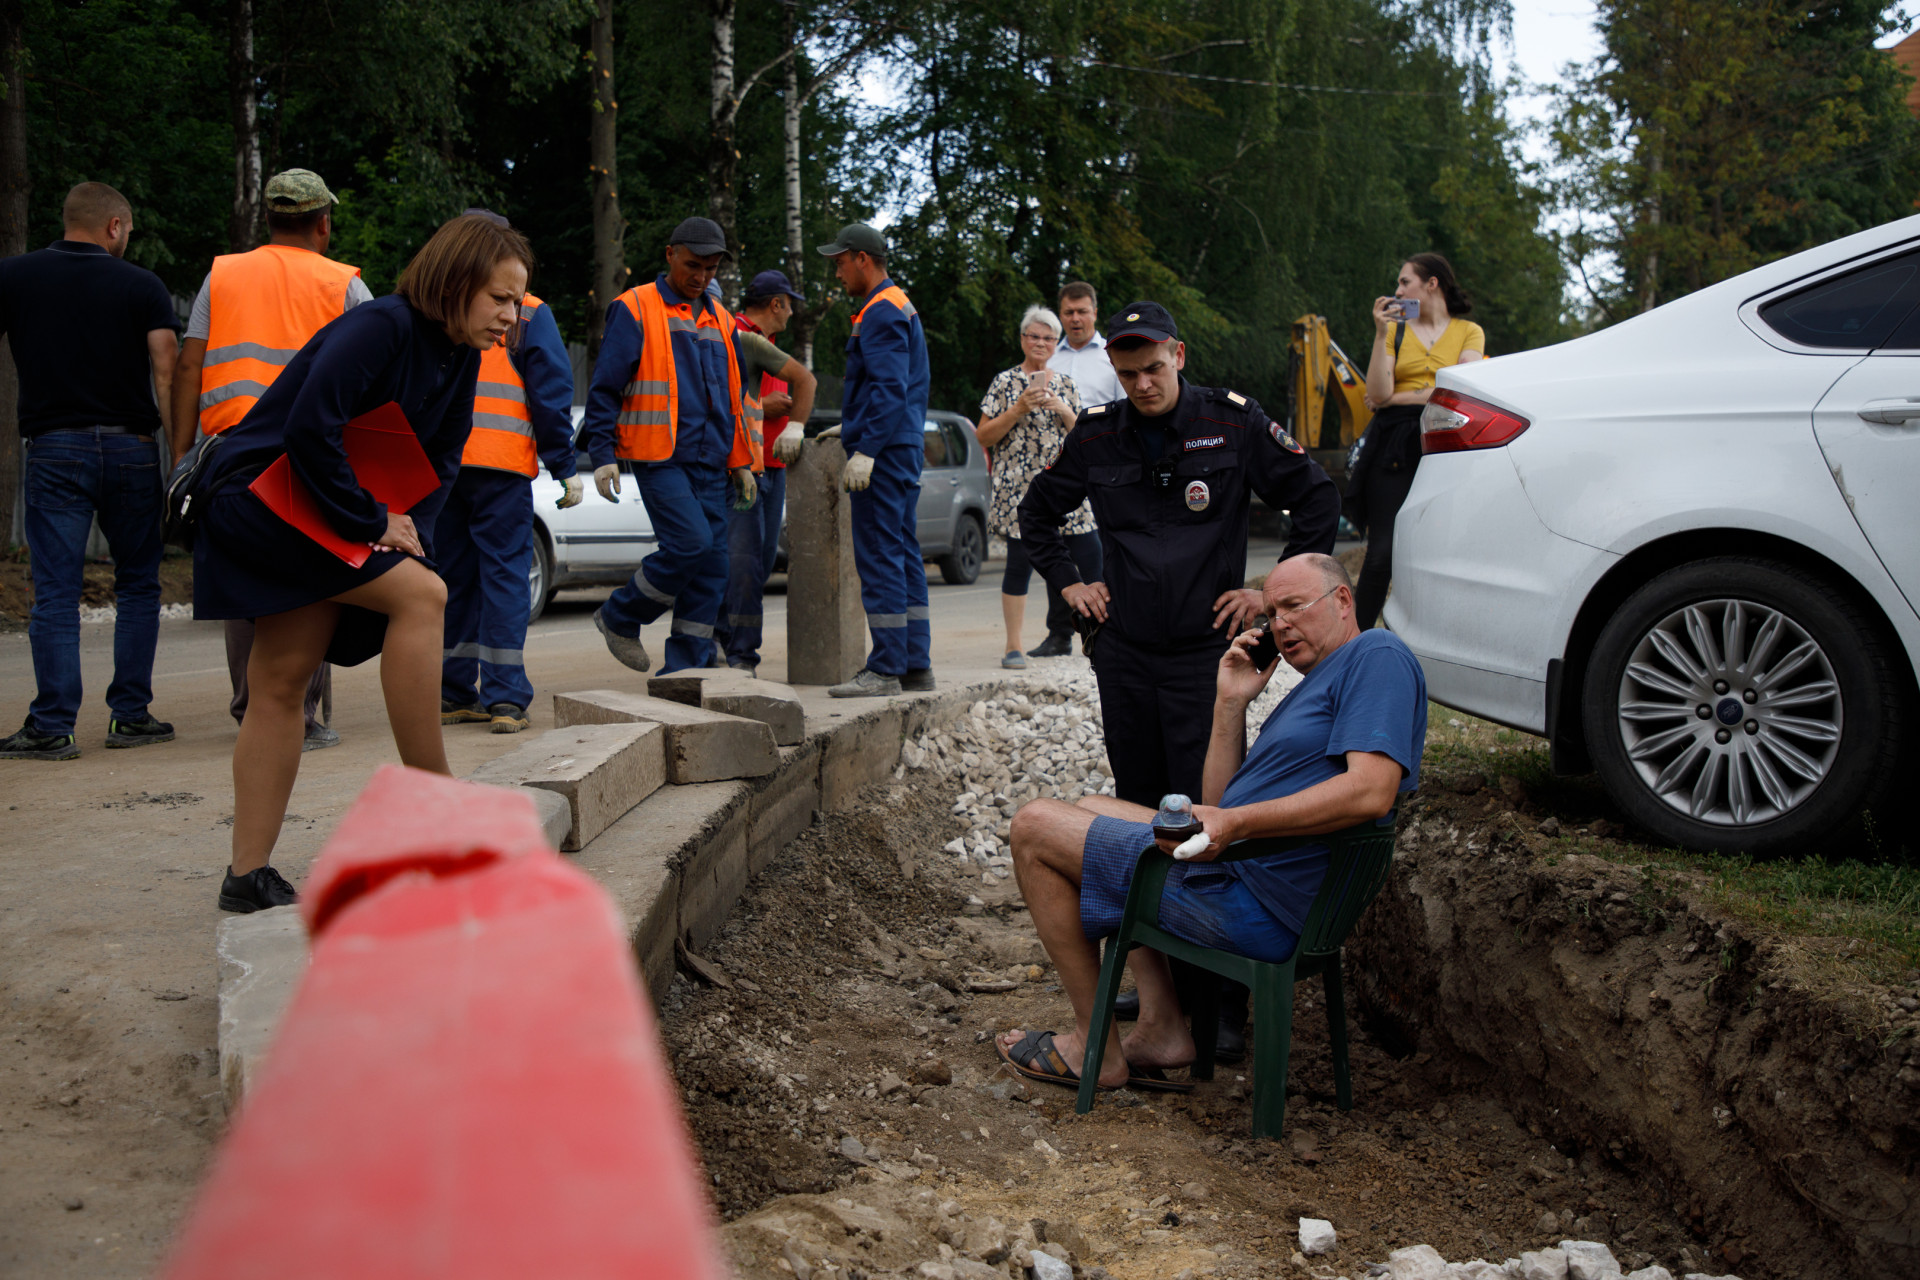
x,y
1623,1018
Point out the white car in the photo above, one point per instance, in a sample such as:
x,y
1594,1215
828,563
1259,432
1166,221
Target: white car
x,y
1686,549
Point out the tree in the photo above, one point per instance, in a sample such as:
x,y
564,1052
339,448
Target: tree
x,y
14,190
609,228
244,107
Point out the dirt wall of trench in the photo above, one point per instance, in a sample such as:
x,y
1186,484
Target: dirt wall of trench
x,y
1617,1012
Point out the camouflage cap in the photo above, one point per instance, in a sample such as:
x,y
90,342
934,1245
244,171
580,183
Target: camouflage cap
x,y
297,191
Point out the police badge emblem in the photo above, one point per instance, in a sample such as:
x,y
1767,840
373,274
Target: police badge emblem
x,y
1198,496
1284,440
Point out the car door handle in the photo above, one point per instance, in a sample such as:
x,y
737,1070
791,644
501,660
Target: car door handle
x,y
1891,413
954,481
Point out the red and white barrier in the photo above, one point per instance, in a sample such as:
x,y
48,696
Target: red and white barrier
x,y
468,1081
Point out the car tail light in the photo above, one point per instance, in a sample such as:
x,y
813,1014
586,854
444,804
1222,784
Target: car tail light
x,y
1452,422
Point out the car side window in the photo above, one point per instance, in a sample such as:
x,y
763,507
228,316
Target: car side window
x,y
956,445
1859,310
936,446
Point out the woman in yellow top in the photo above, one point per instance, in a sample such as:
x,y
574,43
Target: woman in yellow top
x,y
1417,332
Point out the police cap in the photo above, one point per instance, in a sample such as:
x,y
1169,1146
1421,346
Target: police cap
x,y
297,191
701,236
1147,320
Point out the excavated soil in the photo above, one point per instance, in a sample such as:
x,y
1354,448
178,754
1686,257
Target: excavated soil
x,y
844,1093
16,586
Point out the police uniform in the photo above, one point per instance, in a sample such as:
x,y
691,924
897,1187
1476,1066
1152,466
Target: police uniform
x,y
1171,495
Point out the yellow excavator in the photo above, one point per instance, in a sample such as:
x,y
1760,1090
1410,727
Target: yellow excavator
x,y
1326,395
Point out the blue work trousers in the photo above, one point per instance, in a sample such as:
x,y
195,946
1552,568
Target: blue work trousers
x,y
753,544
687,576
893,577
71,476
483,542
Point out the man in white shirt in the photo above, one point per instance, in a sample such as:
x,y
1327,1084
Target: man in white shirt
x,y
1082,354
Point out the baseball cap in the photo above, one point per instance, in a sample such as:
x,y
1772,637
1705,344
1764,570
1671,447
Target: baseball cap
x,y
857,237
1147,320
771,284
701,236
297,191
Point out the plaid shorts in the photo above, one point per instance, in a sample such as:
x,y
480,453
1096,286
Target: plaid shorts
x,y
1203,903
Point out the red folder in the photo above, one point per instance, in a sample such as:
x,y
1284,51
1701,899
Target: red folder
x,y
387,460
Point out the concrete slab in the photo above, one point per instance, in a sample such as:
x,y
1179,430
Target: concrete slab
x,y
556,815
735,694
602,770
261,957
860,753
701,745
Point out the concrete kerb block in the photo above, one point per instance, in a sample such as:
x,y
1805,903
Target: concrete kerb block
x,y
735,694
602,770
783,805
261,957
556,814
701,745
858,753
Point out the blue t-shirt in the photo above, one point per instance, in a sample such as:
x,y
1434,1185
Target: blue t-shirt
x,y
1367,695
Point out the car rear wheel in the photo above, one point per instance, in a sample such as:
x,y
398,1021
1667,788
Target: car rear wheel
x,y
539,574
961,566
1742,705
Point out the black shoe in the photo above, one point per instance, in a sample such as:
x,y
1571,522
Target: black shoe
x,y
462,712
1054,646
257,890
1126,1007
917,681
137,733
508,717
29,744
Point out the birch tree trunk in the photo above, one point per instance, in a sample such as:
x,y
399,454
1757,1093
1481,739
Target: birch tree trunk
x,y
722,157
13,239
243,229
609,228
803,324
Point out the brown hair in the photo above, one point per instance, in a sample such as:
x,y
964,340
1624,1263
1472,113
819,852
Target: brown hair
x,y
1080,289
1431,266
91,205
456,263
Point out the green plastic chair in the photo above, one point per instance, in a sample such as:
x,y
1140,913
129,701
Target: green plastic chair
x,y
1360,858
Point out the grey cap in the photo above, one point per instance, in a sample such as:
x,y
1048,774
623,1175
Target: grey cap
x,y
701,236
857,237
297,191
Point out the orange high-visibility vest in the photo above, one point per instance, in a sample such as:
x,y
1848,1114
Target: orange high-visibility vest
x,y
649,421
266,303
502,438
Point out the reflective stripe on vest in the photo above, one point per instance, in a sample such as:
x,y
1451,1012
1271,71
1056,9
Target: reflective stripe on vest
x,y
265,304
649,421
502,436
892,293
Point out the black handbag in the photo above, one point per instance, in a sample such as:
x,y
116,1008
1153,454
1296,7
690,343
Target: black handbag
x,y
187,491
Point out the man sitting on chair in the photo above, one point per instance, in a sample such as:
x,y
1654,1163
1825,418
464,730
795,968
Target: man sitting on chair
x,y
1341,749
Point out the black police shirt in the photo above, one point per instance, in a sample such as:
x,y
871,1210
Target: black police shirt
x,y
1174,527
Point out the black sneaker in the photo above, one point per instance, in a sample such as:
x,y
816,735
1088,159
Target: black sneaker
x,y
1054,646
29,744
137,733
508,717
918,680
462,712
257,890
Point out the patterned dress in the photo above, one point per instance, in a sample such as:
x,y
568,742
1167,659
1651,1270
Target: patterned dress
x,y
1027,450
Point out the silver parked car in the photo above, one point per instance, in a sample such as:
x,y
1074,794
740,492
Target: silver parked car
x,y
600,543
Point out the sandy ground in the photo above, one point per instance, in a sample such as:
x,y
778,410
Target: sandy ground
x,y
109,1105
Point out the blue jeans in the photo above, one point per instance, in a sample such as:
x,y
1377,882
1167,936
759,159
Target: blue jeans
x,y
687,576
71,476
753,544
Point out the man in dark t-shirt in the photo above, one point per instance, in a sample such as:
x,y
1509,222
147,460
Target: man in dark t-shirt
x,y
1342,748
94,340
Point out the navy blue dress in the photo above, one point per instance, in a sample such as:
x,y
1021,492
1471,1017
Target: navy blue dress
x,y
247,561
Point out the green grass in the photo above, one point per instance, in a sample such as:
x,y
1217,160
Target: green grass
x,y
1858,889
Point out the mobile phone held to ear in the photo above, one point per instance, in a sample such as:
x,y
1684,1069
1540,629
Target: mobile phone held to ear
x,y
1265,652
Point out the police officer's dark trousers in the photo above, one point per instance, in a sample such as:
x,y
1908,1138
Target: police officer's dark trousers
x,y
483,541
886,550
1156,708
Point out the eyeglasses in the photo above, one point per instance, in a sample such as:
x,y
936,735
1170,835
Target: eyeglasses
x,y
1286,619
1042,336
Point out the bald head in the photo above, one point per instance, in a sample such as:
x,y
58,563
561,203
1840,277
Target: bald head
x,y
1310,599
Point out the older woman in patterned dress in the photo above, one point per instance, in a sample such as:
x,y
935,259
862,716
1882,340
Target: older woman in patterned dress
x,y
1024,417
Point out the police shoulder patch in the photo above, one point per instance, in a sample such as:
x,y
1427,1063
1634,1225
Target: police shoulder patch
x,y
1237,398
1096,408
1283,439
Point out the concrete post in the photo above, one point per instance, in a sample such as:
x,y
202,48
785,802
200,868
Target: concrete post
x,y
826,627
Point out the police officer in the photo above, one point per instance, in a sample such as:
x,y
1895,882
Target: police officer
x,y
883,429
1168,471
668,395
522,416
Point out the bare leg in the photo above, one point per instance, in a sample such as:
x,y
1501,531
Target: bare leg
x,y
415,601
1014,610
266,756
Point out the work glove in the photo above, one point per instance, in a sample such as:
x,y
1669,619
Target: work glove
x,y
831,433
786,445
571,498
859,472
607,480
746,489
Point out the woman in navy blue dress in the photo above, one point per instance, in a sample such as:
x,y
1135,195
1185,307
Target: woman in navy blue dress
x,y
419,348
